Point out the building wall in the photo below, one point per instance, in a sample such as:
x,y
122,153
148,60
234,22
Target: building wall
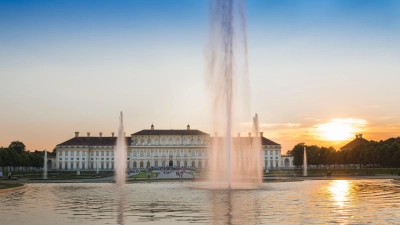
x,y
155,151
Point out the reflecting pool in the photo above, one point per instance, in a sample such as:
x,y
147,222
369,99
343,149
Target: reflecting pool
x,y
306,202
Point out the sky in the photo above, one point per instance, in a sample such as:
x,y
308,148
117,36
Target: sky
x,y
320,71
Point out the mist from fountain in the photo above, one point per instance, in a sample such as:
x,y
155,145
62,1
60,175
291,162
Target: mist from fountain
x,y
97,165
305,162
232,160
120,154
45,165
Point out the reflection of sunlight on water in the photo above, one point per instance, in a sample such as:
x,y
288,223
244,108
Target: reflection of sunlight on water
x,y
339,189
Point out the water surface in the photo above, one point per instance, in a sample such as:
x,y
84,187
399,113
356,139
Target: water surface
x,y
307,202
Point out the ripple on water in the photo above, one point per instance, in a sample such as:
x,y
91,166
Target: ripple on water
x,y
308,202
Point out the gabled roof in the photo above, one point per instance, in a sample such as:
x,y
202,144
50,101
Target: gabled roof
x,y
354,143
170,132
92,141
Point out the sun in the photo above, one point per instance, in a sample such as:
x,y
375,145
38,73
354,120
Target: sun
x,y
338,129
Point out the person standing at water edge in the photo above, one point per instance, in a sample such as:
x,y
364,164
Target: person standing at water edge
x,y
1,176
9,175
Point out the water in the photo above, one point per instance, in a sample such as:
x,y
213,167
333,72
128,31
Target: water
x,y
305,162
120,154
307,202
45,165
233,160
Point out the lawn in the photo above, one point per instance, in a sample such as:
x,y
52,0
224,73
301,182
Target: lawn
x,y
143,175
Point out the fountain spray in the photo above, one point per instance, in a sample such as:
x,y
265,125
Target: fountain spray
x,y
120,154
305,162
45,165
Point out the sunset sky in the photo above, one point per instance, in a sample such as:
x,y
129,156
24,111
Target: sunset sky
x,y
320,71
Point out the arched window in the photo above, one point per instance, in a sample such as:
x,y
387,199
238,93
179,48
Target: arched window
x,y
134,165
193,153
200,164
148,153
134,153
141,153
163,163
170,141
185,163
184,141
141,164
193,164
163,141
148,164
156,163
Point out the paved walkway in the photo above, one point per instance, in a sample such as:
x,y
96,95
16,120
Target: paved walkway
x,y
172,175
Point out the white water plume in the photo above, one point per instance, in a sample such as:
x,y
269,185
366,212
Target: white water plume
x,y
120,154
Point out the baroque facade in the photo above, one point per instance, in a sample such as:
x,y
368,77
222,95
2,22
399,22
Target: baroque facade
x,y
152,148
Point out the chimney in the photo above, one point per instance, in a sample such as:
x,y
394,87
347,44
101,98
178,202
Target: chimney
x,y
88,134
216,134
238,134
356,136
101,134
261,134
249,134
112,133
188,127
360,135
76,134
152,126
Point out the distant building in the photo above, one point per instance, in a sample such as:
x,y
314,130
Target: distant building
x,y
358,140
154,148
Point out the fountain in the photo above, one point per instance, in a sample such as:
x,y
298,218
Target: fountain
x,y
236,161
97,165
305,162
120,154
45,165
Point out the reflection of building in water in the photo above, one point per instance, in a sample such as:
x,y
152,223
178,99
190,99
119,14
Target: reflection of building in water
x,y
155,148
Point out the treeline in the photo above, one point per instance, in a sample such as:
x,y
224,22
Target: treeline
x,y
372,154
16,158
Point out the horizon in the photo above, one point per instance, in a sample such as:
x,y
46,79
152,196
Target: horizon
x,y
320,72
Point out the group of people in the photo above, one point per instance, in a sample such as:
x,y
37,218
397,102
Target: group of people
x,y
180,173
8,174
329,173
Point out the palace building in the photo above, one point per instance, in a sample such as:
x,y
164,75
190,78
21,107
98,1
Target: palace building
x,y
153,148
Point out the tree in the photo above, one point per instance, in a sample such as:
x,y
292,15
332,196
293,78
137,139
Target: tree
x,y
298,153
18,146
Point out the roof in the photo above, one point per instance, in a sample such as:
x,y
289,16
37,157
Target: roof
x,y
265,141
170,132
93,141
111,141
354,143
